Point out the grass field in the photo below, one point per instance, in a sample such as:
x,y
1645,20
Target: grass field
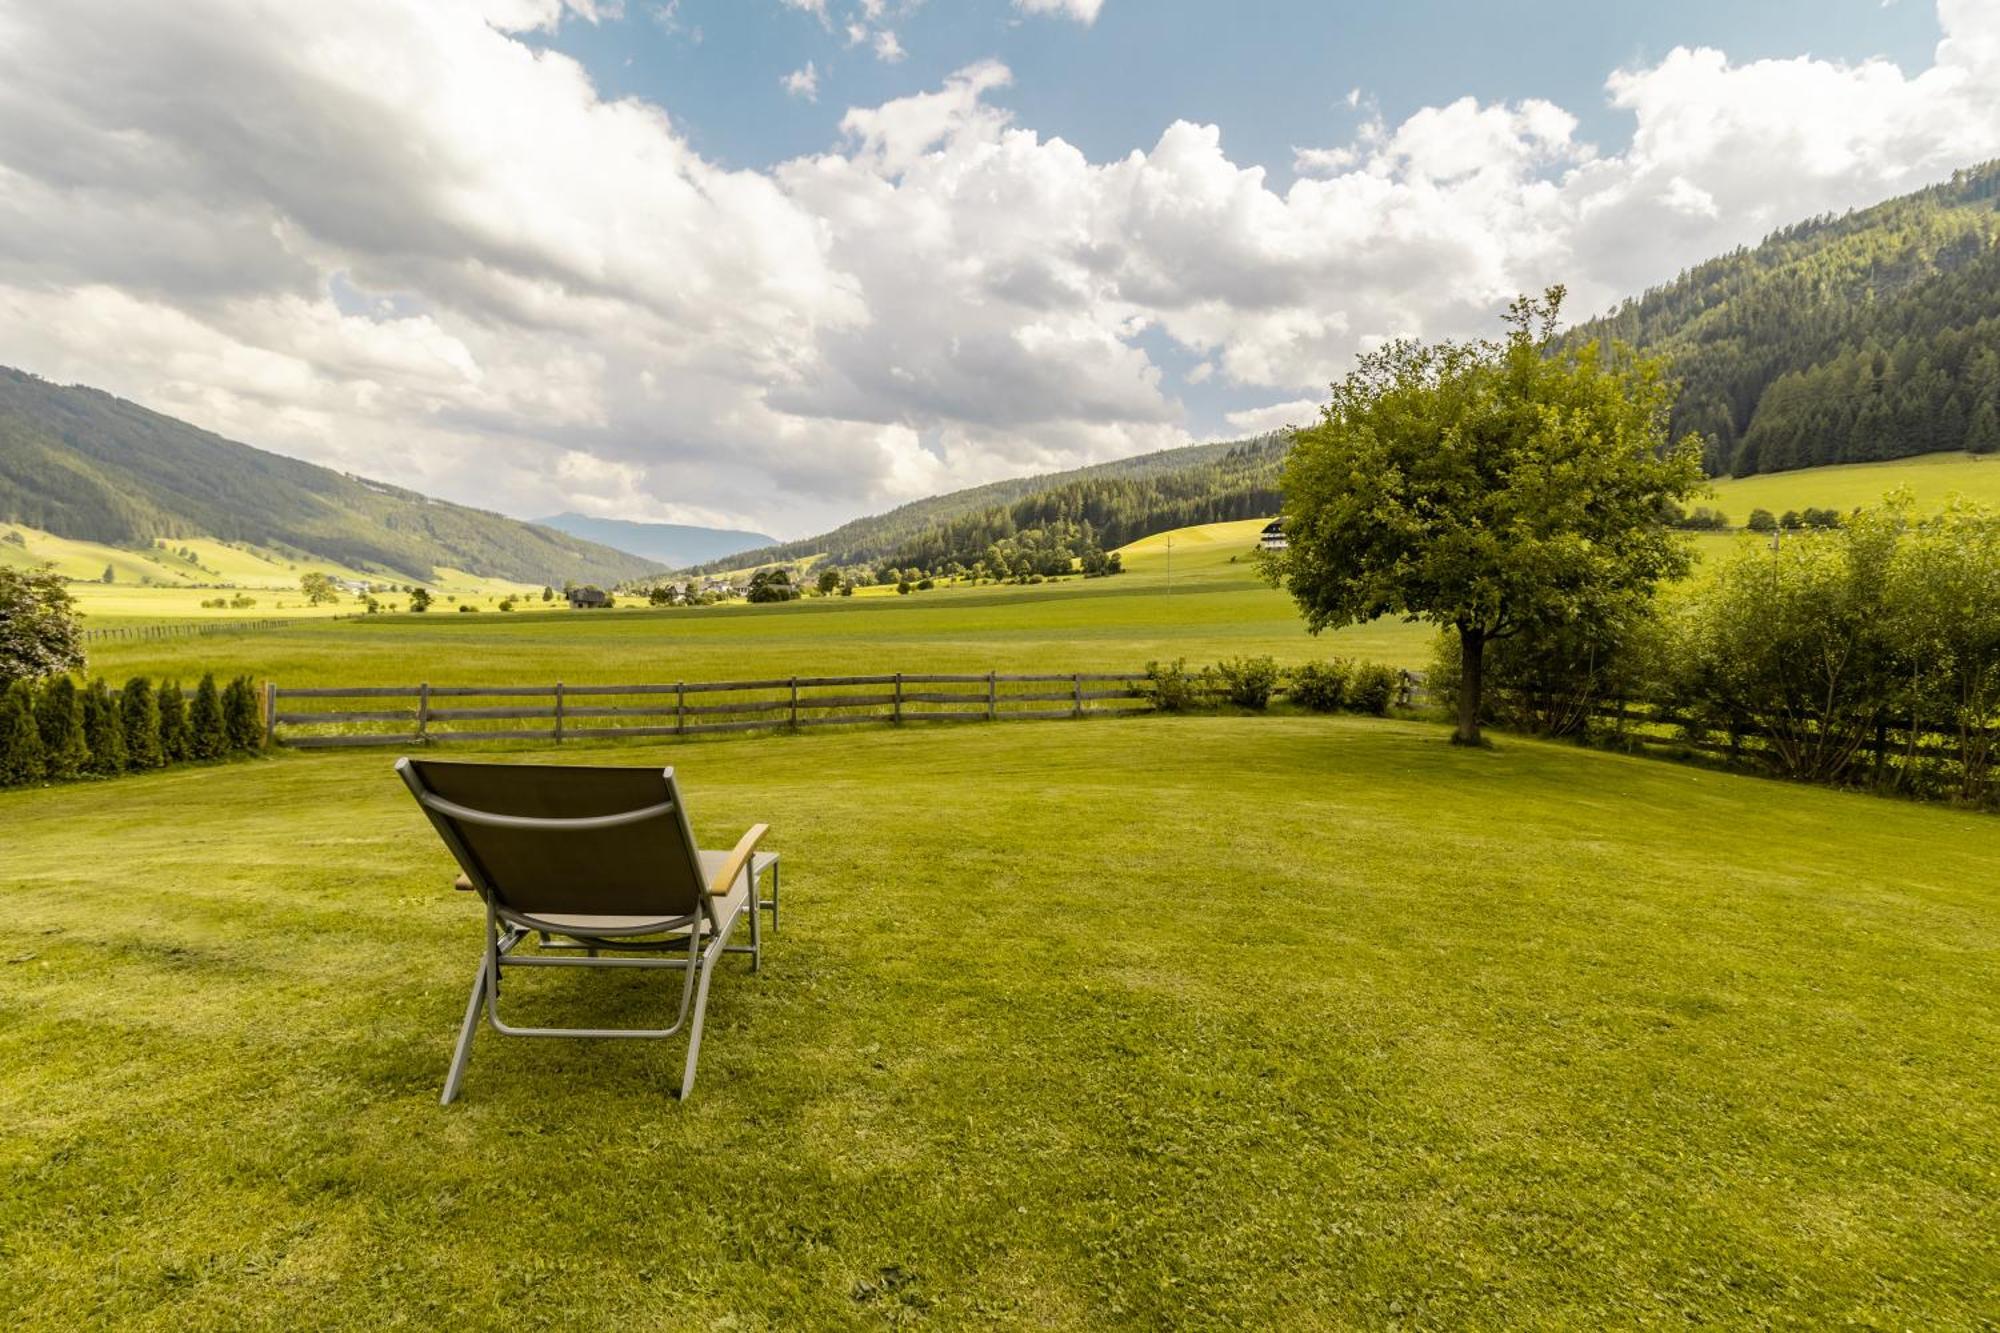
x,y
1162,1022
153,584
1208,607
1932,478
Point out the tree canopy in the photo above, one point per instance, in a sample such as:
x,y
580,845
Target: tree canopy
x,y
38,629
1491,487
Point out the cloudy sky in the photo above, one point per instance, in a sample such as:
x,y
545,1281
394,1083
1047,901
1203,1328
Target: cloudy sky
x,y
773,263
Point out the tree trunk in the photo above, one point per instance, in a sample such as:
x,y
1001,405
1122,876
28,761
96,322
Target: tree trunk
x,y
1471,684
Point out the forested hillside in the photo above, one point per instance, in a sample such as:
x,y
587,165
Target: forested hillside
x,y
1852,339
85,465
1127,498
1098,513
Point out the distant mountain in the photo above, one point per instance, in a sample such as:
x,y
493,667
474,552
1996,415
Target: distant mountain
x,y
80,463
675,545
1847,339
1127,499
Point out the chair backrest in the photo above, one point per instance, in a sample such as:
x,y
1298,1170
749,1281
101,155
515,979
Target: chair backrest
x,y
547,838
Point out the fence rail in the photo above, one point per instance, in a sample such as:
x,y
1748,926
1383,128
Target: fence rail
x,y
196,628
323,716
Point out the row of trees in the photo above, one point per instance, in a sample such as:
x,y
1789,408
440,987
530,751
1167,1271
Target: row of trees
x,y
1867,653
52,729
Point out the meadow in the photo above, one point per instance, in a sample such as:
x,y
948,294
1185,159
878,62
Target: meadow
x,y
1931,479
1154,1022
1209,604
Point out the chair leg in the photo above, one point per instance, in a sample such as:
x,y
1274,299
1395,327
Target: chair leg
x,y
694,1029
756,929
463,1054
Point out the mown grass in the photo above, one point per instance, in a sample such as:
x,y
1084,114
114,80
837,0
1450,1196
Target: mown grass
x,y
1157,1022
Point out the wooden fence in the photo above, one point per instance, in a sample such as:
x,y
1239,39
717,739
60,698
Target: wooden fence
x,y
424,714
194,628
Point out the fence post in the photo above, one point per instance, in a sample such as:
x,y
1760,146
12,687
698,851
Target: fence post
x,y
795,703
680,709
270,713
899,698
559,719
992,695
423,709
1079,694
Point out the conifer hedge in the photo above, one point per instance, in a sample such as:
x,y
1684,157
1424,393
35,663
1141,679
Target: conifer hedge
x,y
55,730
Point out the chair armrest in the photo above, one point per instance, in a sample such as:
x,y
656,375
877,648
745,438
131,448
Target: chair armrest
x,y
738,862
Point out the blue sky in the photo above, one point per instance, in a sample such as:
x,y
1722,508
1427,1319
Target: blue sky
x,y
1274,74
624,257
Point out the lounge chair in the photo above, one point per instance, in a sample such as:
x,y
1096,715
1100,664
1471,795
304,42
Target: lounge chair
x,y
587,861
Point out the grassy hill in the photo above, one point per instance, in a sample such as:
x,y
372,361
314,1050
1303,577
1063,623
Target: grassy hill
x,y
1932,479
1321,1023
90,467
1870,336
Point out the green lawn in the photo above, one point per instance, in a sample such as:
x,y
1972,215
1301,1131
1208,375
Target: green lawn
x,y
1206,607
1155,1022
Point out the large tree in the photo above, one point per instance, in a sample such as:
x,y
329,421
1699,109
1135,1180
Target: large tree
x,y
38,630
1488,487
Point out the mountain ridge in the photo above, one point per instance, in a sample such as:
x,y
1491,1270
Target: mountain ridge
x,y
85,464
675,545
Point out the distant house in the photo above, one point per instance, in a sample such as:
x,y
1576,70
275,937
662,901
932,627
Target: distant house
x,y
1273,536
588,599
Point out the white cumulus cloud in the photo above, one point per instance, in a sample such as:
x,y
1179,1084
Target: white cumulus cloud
x,y
395,237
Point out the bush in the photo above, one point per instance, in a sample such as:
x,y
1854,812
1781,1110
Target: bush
x,y
1175,690
208,734
59,716
175,741
1762,520
39,635
21,759
1372,688
1320,686
103,730
139,713
1248,682
240,722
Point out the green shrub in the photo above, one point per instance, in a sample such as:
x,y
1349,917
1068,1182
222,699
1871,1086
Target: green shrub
x,y
240,722
139,711
175,742
20,737
103,730
1320,686
208,734
1175,689
59,716
1248,682
1373,688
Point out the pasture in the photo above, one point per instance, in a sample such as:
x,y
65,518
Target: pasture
x,y
1931,478
1148,1022
1211,604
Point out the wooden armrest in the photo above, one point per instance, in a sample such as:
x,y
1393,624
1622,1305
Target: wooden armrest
x,y
739,860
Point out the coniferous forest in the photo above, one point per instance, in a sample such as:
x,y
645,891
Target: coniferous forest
x,y
1870,336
